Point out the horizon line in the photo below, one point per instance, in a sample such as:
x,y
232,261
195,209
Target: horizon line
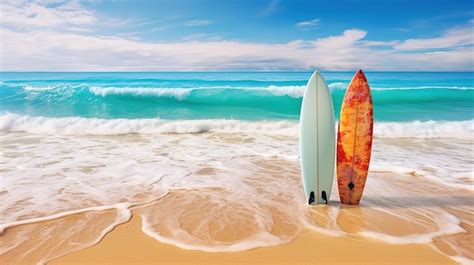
x,y
237,71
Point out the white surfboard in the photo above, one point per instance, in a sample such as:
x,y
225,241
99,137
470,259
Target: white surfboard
x,y
317,140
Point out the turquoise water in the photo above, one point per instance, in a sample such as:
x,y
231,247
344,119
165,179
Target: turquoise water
x,y
397,96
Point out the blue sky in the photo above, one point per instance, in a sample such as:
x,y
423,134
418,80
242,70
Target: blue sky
x,y
236,35
275,21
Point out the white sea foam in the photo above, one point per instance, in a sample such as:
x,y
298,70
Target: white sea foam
x,y
448,224
42,88
462,260
121,207
426,129
337,85
424,87
82,172
441,161
183,93
261,239
460,180
39,88
292,91
392,169
341,85
95,126
298,91
178,93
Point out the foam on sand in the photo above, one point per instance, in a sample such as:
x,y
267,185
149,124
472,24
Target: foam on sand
x,y
43,240
217,200
448,224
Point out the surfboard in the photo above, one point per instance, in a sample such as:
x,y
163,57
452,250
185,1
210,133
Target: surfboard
x,y
354,140
317,140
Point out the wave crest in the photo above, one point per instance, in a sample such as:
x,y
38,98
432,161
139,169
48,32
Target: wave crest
x,y
425,129
178,93
292,91
95,126
337,85
78,125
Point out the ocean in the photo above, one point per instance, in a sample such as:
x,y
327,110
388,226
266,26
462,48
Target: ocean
x,y
221,149
397,96
406,104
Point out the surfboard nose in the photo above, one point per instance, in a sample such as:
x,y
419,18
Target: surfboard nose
x,y
360,75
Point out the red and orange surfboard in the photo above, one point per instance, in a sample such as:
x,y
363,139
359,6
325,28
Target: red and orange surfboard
x,y
354,140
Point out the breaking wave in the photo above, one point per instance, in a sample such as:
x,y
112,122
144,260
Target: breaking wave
x,y
95,126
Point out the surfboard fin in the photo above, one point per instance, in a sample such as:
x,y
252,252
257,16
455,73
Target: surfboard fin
x,y
323,195
311,198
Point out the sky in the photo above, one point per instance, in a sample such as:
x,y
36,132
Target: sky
x,y
185,35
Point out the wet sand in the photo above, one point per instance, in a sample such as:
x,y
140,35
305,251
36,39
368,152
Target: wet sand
x,y
200,203
127,244
79,239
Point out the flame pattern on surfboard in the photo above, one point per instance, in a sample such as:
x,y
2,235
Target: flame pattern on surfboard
x,y
354,140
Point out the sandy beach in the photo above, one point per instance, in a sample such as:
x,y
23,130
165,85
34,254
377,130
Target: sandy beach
x,y
406,216
127,244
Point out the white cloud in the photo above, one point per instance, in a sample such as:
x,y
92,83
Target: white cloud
x,y
197,22
49,50
308,24
452,38
44,14
42,35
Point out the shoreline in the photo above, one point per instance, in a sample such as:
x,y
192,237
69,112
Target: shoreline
x,y
128,244
214,200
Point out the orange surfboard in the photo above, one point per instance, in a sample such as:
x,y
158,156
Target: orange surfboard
x,y
354,140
